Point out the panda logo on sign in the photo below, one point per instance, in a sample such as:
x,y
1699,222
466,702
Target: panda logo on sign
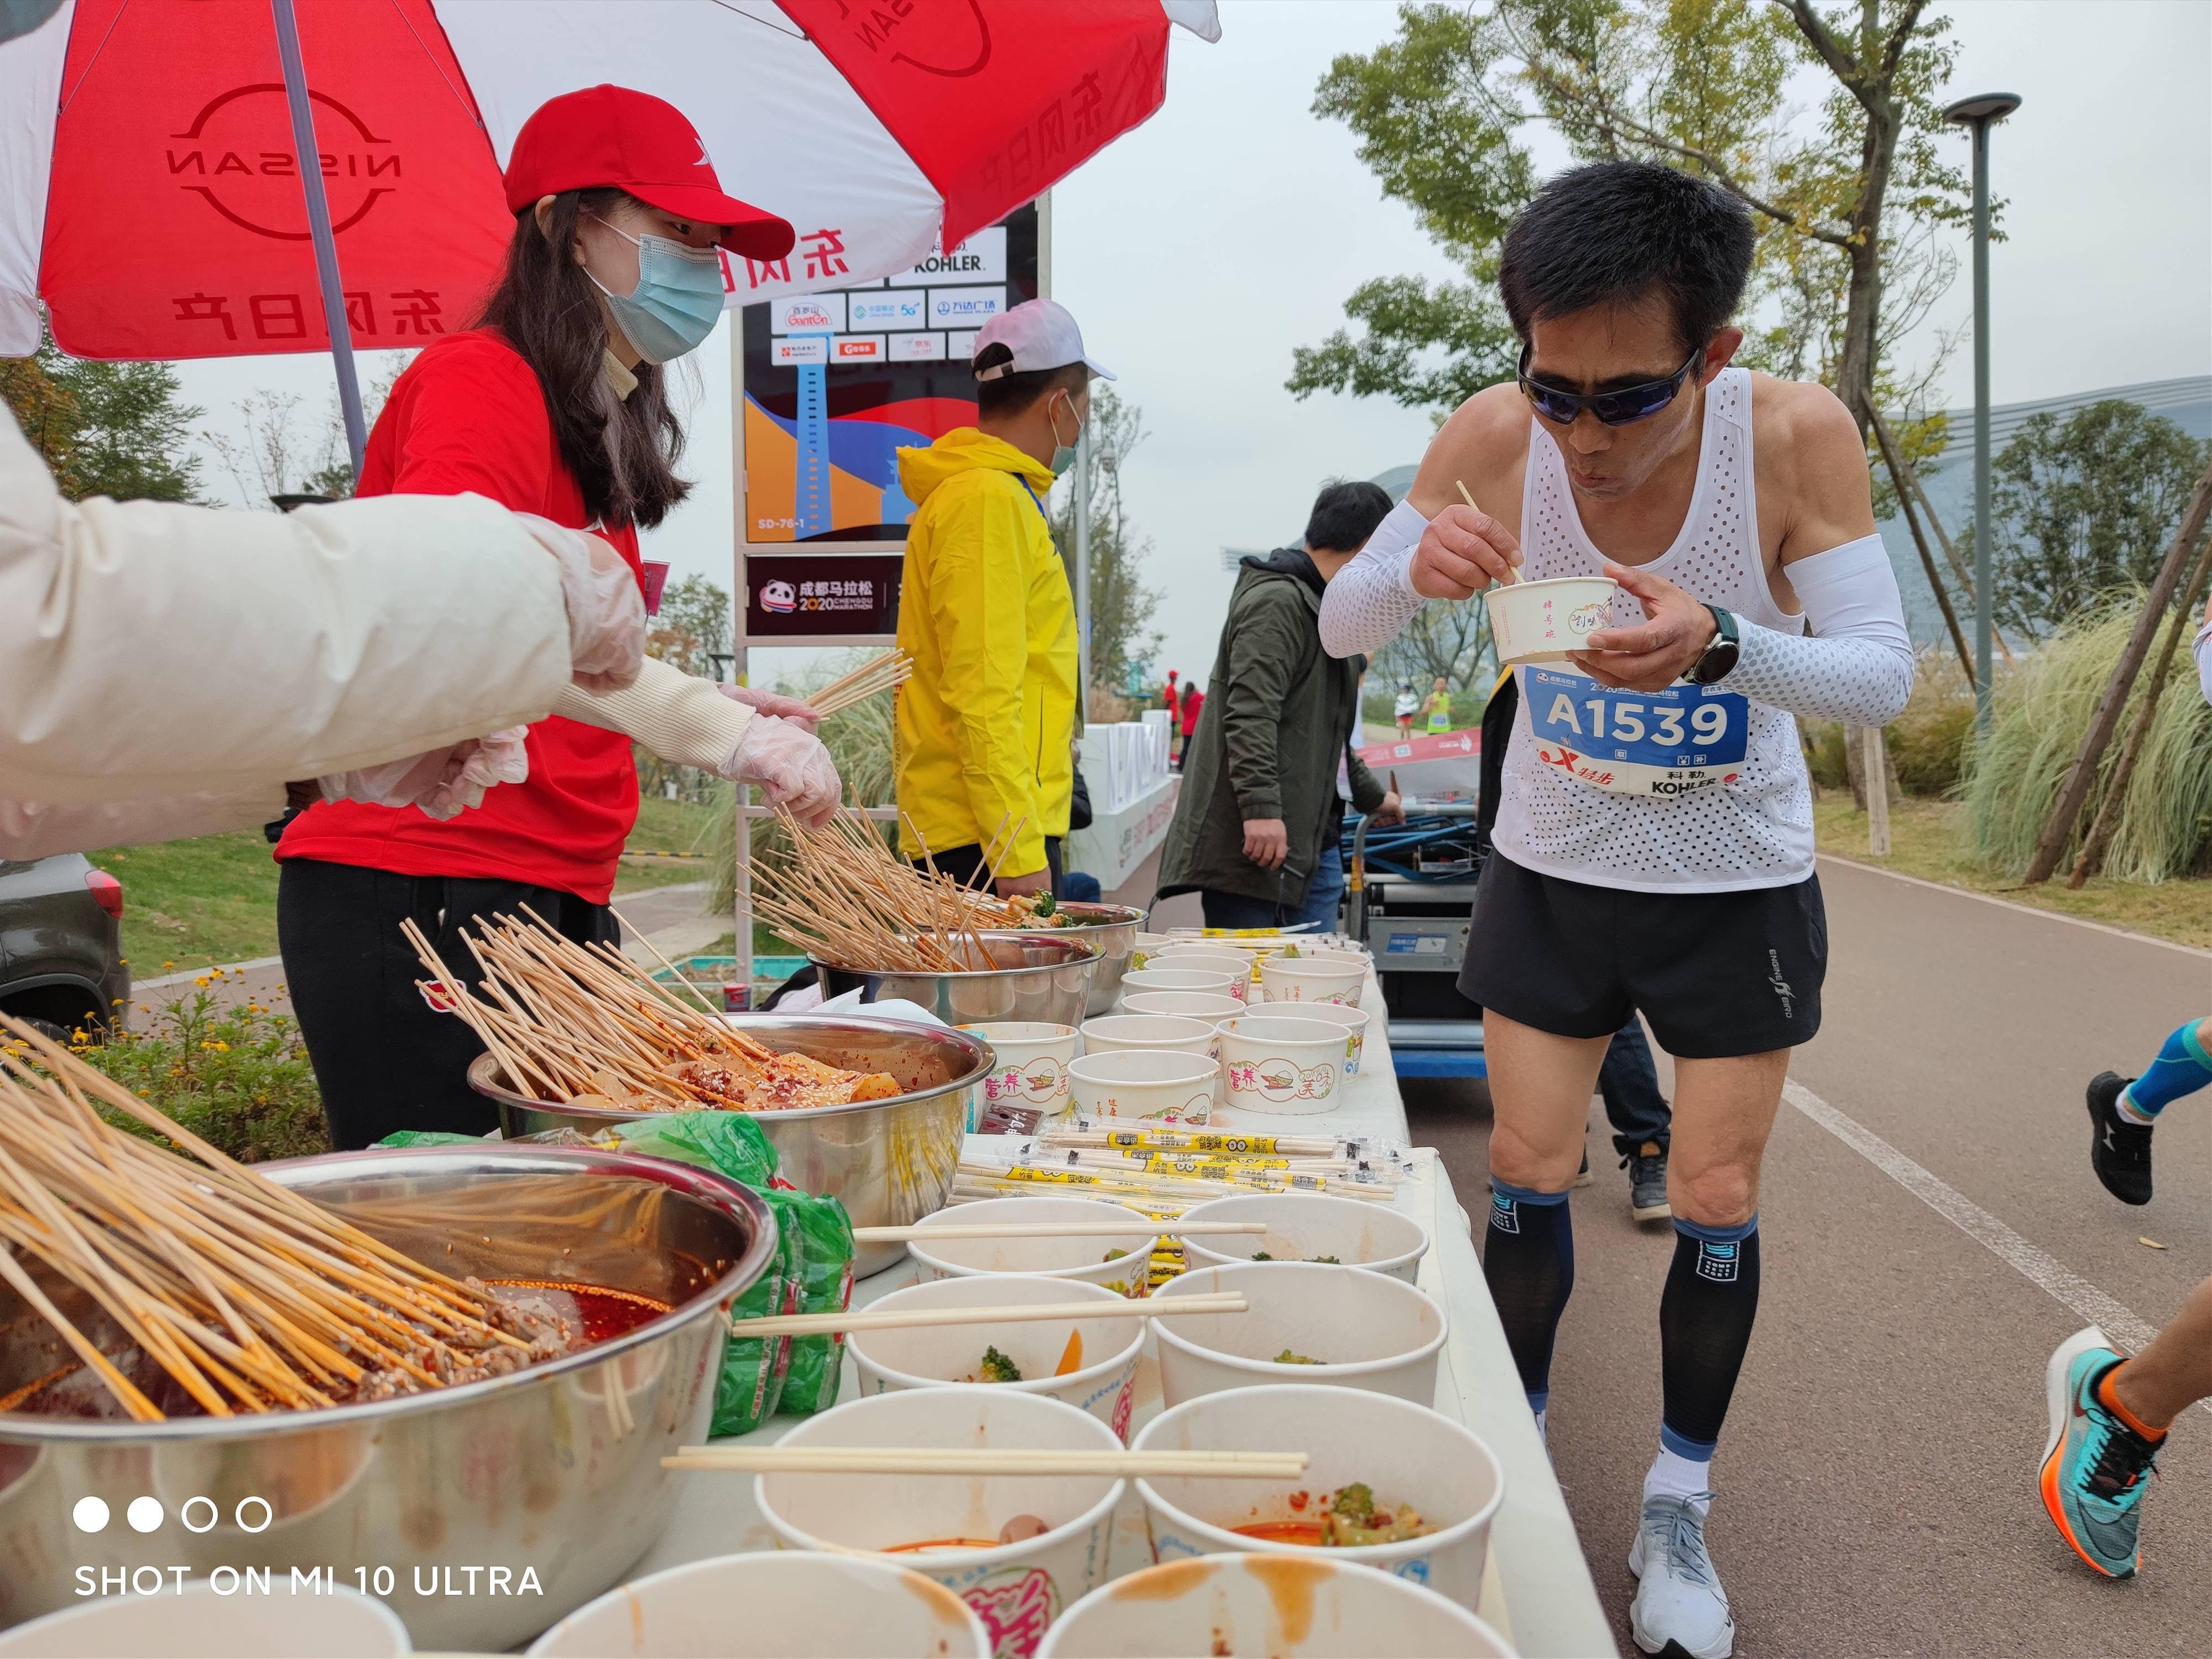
x,y
779,597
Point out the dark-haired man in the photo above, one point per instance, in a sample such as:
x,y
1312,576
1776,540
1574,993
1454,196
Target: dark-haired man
x,y
1257,830
988,614
1655,840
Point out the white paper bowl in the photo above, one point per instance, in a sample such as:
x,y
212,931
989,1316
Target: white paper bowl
x,y
1031,1068
944,1355
1162,1086
1214,980
1237,965
1208,1006
1542,622
769,1605
1080,1259
1406,1454
1016,1589
1370,1331
1278,1606
1354,1021
1304,979
197,1623
1303,1225
1121,1033
1277,1063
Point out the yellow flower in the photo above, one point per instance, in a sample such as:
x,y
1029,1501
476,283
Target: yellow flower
x,y
168,964
202,980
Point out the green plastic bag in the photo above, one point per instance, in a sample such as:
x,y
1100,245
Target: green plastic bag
x,y
750,1385
824,1234
729,1143
429,1138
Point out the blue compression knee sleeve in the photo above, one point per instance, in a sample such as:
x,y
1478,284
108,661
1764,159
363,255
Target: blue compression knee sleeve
x,y
2182,1068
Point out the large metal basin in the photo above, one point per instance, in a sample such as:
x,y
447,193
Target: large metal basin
x,y
1108,929
889,1162
1019,974
555,1471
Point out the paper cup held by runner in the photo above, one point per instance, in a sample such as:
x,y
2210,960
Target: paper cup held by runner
x,y
1275,1063
1282,1605
1361,1330
1102,1384
1118,1260
1208,1006
1016,1589
1353,1020
827,1607
1306,1227
1160,1085
1032,1071
1403,1453
1542,622
1304,979
1214,981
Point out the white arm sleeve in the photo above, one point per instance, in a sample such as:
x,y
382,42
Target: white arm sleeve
x,y
1371,599
29,830
2203,649
683,719
1857,665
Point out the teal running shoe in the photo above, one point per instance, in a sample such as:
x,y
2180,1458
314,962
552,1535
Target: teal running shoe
x,y
2095,1468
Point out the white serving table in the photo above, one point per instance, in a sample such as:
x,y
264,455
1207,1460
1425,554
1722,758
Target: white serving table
x,y
1537,1589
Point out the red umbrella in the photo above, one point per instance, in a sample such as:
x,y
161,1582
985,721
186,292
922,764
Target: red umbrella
x,y
152,198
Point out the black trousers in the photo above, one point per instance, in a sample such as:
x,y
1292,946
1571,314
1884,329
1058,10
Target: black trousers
x,y
962,863
383,1059
1630,1084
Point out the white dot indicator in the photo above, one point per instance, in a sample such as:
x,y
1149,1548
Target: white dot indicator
x,y
90,1514
144,1514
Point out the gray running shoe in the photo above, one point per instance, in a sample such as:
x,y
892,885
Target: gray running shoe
x,y
1680,1605
1647,1183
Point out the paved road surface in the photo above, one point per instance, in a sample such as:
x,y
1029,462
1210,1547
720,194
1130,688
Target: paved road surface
x,y
1877,1477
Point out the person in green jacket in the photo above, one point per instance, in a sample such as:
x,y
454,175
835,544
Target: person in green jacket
x,y
1256,830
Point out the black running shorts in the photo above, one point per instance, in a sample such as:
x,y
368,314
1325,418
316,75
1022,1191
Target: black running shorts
x,y
1716,974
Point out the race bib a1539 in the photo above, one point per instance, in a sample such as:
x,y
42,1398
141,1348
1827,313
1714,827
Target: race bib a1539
x,y
1665,744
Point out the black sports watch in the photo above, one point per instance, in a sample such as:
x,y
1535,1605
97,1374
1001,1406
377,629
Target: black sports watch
x,y
1721,652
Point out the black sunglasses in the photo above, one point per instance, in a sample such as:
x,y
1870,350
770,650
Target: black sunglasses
x,y
1633,402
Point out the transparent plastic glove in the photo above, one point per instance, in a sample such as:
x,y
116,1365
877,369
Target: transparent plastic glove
x,y
769,702
791,766
606,612
443,782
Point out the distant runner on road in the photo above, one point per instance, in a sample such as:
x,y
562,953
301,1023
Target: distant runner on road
x,y
1655,837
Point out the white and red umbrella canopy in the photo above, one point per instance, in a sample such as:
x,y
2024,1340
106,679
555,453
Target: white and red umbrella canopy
x,y
151,195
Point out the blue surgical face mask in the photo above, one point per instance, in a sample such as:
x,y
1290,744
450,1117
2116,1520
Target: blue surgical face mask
x,y
1063,456
677,297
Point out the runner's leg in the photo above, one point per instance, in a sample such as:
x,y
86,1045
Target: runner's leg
x,y
1540,1089
2173,1373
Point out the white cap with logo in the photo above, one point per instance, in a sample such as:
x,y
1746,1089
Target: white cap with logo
x,y
1041,334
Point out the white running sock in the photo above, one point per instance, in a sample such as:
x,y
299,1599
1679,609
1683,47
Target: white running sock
x,y
2128,1112
1673,1475
1542,1433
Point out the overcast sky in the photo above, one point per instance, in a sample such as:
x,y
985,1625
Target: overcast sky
x,y
1199,250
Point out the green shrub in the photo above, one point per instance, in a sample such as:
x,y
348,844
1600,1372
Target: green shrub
x,y
2043,708
236,1076
1823,753
1928,741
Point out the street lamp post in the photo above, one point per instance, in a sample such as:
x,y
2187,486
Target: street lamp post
x,y
1979,113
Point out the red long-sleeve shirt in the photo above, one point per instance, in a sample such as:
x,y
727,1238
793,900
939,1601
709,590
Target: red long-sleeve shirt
x,y
468,415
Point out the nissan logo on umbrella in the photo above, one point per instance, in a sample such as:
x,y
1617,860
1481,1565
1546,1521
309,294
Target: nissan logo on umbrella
x,y
237,154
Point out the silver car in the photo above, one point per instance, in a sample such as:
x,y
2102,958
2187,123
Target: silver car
x,y
61,944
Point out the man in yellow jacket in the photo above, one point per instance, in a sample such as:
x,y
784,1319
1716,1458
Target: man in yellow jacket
x,y
988,613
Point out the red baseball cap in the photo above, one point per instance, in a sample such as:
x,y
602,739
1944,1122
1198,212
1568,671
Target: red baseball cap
x,y
607,135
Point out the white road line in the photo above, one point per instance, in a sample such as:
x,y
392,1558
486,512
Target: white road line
x,y
2024,910
2046,1272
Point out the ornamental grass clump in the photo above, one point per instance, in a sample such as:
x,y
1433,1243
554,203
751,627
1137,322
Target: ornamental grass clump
x,y
2042,709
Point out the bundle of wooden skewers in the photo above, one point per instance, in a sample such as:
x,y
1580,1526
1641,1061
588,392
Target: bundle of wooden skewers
x,y
885,674
847,898
247,1298
587,1026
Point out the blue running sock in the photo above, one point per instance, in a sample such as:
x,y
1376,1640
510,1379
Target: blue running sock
x,y
1528,1263
1704,1326
2182,1068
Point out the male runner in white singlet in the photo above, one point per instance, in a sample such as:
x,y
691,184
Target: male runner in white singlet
x,y
1655,835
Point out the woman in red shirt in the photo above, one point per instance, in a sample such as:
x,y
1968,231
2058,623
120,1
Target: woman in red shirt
x,y
554,405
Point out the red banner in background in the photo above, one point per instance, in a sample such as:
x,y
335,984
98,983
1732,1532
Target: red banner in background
x,y
176,226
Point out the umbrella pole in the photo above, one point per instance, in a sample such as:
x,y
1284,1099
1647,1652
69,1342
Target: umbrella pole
x,y
319,228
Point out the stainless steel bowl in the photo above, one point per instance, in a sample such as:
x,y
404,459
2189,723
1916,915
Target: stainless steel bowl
x,y
1108,929
1019,974
890,1161
554,1471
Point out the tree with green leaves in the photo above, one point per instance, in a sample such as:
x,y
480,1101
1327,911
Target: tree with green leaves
x,y
1848,205
1121,605
2083,509
113,430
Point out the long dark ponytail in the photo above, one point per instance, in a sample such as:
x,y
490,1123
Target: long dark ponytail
x,y
622,451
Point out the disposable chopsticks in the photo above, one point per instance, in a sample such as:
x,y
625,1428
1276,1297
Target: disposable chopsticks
x,y
900,1319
